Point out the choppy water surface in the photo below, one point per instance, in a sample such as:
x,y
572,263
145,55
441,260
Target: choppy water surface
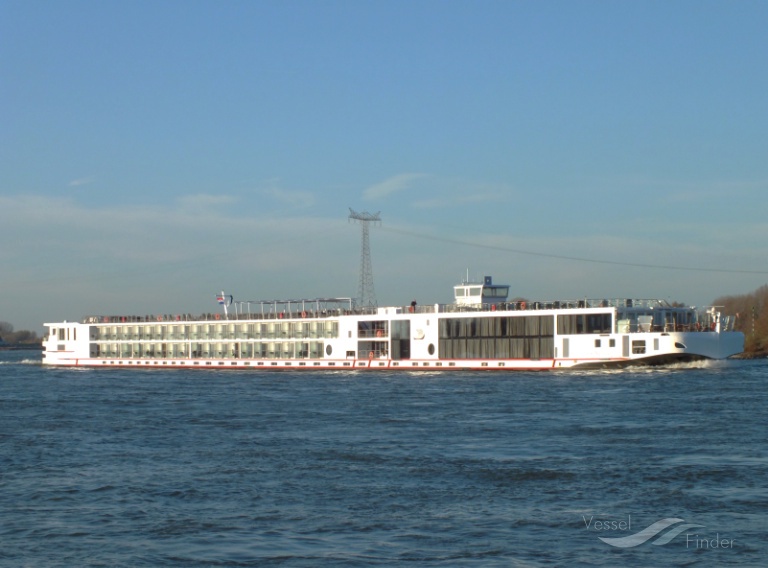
x,y
239,468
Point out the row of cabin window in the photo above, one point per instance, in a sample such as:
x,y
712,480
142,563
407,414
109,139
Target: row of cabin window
x,y
312,349
244,331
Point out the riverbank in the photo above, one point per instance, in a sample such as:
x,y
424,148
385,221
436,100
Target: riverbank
x,y
751,355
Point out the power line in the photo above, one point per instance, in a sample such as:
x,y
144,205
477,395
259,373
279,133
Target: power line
x,y
572,258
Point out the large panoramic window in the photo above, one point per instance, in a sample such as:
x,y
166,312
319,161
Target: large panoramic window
x,y
522,337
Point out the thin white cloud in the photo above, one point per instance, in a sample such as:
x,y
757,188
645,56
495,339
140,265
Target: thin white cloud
x,y
203,201
685,191
457,200
294,198
82,181
456,192
392,185
271,189
708,192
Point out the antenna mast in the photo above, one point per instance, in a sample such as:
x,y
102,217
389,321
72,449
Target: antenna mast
x,y
366,294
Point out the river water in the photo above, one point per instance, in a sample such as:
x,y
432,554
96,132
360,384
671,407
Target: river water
x,y
135,467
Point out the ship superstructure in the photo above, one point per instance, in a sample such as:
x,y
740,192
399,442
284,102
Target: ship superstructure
x,y
482,330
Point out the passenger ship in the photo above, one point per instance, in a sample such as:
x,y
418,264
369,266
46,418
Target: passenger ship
x,y
480,330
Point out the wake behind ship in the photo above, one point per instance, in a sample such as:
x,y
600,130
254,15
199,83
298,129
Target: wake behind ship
x,y
480,330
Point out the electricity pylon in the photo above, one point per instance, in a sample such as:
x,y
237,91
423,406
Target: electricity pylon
x,y
366,293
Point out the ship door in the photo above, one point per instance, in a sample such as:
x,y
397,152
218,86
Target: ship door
x,y
401,339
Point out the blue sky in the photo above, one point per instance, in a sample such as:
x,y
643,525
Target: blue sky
x,y
154,153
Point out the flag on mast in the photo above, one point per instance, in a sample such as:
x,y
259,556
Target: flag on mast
x,y
225,301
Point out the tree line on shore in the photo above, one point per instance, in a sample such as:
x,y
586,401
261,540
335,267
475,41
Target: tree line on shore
x,y
22,337
751,311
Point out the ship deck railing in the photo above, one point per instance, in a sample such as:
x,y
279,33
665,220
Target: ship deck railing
x,y
308,311
518,305
218,318
626,307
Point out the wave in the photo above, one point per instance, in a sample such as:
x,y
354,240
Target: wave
x,y
702,364
23,362
654,369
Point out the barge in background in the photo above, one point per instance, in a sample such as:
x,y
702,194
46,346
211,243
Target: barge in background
x,y
481,330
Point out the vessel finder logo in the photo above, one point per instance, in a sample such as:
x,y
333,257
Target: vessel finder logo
x,y
654,530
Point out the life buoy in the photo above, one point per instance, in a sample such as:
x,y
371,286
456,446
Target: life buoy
x,y
280,315
159,318
522,305
379,333
370,355
218,316
410,309
303,314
